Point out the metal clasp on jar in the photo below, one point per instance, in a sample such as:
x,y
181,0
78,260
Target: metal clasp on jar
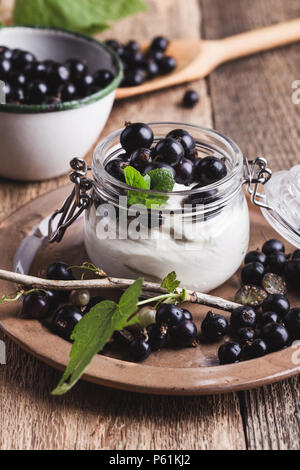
x,y
75,204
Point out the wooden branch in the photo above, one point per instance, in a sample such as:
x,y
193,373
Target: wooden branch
x,y
115,283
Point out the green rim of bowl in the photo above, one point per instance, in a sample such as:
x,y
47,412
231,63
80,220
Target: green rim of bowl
x,y
44,108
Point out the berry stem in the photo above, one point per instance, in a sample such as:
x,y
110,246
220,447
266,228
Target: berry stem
x,y
161,297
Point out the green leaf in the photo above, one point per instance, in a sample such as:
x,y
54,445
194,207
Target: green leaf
x,y
85,16
134,178
170,282
161,180
94,330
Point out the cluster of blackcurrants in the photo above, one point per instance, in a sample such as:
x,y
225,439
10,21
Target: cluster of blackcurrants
x,y
140,66
59,310
272,325
177,153
173,326
29,81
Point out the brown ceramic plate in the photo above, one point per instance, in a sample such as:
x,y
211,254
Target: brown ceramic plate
x,y
170,372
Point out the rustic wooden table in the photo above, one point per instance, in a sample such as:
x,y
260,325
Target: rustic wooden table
x,y
249,100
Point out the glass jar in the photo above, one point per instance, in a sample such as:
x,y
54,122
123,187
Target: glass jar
x,y
201,234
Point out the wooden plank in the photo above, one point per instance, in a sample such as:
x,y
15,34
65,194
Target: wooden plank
x,y
251,101
92,417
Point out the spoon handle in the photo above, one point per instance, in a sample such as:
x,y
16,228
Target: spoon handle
x,y
263,39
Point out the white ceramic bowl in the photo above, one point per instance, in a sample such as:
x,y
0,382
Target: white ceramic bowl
x,y
37,142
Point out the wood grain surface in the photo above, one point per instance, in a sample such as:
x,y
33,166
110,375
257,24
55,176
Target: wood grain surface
x,y
250,100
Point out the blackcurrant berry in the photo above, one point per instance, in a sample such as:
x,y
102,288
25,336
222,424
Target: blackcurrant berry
x,y
140,350
5,68
296,254
277,303
209,170
134,77
77,67
166,65
59,272
35,305
229,353
276,262
292,321
80,298
68,92
184,334
185,139
243,317
273,246
187,315
151,68
246,334
5,53
253,273
214,326
22,58
169,151
256,257
132,46
65,320
136,136
37,71
269,317
157,336
113,44
255,350
169,314
140,159
84,83
160,43
185,172
190,99
116,168
17,79
58,75
276,336
37,92
102,78
16,95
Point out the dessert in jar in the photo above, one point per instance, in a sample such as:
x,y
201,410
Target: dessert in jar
x,y
198,227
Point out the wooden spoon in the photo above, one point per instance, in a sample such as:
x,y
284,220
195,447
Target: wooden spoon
x,y
198,58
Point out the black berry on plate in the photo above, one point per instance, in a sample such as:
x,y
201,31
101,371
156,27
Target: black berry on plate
x,y
37,92
269,317
169,151
255,350
169,314
160,43
190,99
243,317
134,77
102,78
59,74
185,172
277,303
252,296
292,321
113,44
296,254
274,284
154,54
59,272
139,349
276,336
185,139
167,64
158,336
80,298
18,79
273,246
35,305
252,274
22,58
214,326
209,170
68,92
229,353
256,257
292,273
184,334
77,67
276,262
136,136
246,334
140,159
116,168
65,320
151,68
84,83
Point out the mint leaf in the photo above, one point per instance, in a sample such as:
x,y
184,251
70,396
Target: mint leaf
x,y
93,332
85,16
134,178
170,282
161,180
